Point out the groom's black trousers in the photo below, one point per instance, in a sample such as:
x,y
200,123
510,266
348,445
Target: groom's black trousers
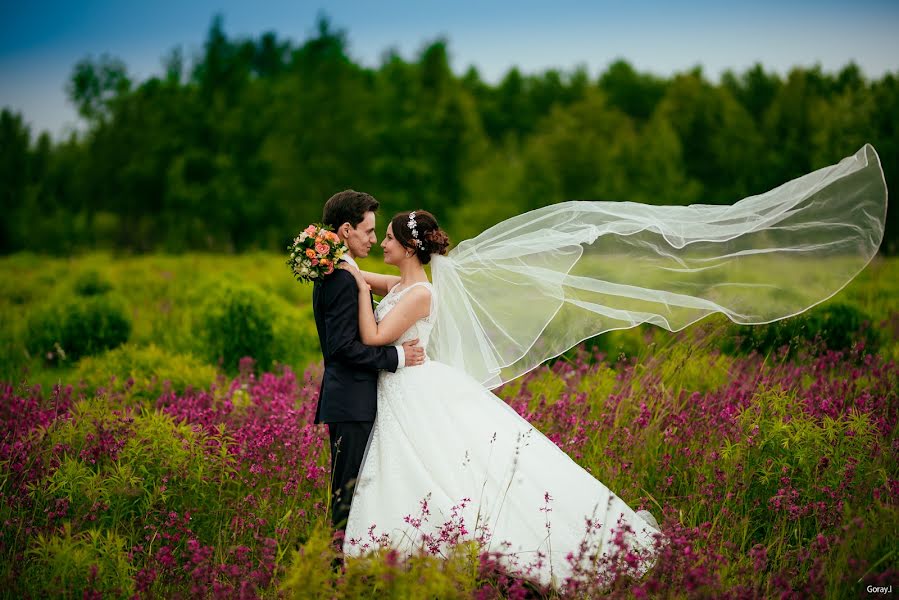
x,y
348,441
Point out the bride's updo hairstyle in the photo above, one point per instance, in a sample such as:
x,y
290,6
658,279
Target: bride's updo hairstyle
x,y
418,230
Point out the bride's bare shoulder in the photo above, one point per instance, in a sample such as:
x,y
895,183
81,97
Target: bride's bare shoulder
x,y
418,298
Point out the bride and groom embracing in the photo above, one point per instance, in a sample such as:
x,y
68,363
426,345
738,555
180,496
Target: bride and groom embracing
x,y
424,455
416,443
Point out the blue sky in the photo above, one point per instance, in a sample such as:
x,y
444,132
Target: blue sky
x,y
40,40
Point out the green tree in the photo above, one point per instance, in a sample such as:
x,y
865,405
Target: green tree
x,y
721,147
15,139
884,127
579,153
635,94
755,90
239,146
96,84
789,124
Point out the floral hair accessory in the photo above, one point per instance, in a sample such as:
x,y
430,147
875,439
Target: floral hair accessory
x,y
413,226
315,252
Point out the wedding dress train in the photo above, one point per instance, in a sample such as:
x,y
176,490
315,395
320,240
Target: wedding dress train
x,y
448,460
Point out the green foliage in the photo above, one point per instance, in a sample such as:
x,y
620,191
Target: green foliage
x,y
779,449
453,576
151,369
95,85
690,367
158,465
236,322
296,339
166,298
72,565
205,156
741,453
618,345
833,326
309,573
9,361
91,283
77,327
863,538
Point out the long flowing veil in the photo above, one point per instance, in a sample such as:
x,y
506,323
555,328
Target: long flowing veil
x,y
533,286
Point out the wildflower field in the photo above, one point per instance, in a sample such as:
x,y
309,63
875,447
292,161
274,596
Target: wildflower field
x,y
156,441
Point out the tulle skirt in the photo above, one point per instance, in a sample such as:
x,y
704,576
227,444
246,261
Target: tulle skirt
x,y
449,461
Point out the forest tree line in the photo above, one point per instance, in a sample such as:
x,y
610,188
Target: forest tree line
x,y
240,148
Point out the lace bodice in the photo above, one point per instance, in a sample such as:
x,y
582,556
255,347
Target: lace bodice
x,y
421,329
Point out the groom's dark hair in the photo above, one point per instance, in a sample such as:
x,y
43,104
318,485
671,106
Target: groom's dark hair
x,y
348,206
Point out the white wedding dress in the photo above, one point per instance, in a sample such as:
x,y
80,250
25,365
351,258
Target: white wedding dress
x,y
446,451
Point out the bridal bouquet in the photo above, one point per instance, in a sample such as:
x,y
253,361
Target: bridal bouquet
x,y
315,252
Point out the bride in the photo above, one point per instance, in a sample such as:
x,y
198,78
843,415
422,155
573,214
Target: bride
x,y
447,455
449,461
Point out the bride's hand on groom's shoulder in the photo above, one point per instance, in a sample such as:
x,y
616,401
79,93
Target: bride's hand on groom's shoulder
x,y
348,267
356,273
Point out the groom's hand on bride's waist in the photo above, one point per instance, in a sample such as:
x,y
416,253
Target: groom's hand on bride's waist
x,y
415,354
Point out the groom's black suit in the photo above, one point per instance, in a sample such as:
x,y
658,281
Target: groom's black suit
x,y
347,401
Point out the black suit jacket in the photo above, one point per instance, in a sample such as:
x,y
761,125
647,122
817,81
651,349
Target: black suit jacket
x,y
349,390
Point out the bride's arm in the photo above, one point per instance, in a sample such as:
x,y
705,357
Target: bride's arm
x,y
380,284
415,305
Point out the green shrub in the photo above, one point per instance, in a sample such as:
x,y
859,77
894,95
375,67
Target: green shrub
x,y
691,367
816,454
77,327
296,339
91,283
828,327
16,292
309,573
44,333
11,355
149,367
239,322
614,345
72,565
146,462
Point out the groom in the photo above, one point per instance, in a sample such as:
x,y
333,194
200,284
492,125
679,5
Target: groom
x,y
347,400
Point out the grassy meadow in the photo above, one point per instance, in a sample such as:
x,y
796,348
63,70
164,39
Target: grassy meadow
x,y
144,455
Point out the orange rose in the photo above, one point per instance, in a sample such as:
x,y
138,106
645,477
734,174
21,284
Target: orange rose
x,y
310,253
